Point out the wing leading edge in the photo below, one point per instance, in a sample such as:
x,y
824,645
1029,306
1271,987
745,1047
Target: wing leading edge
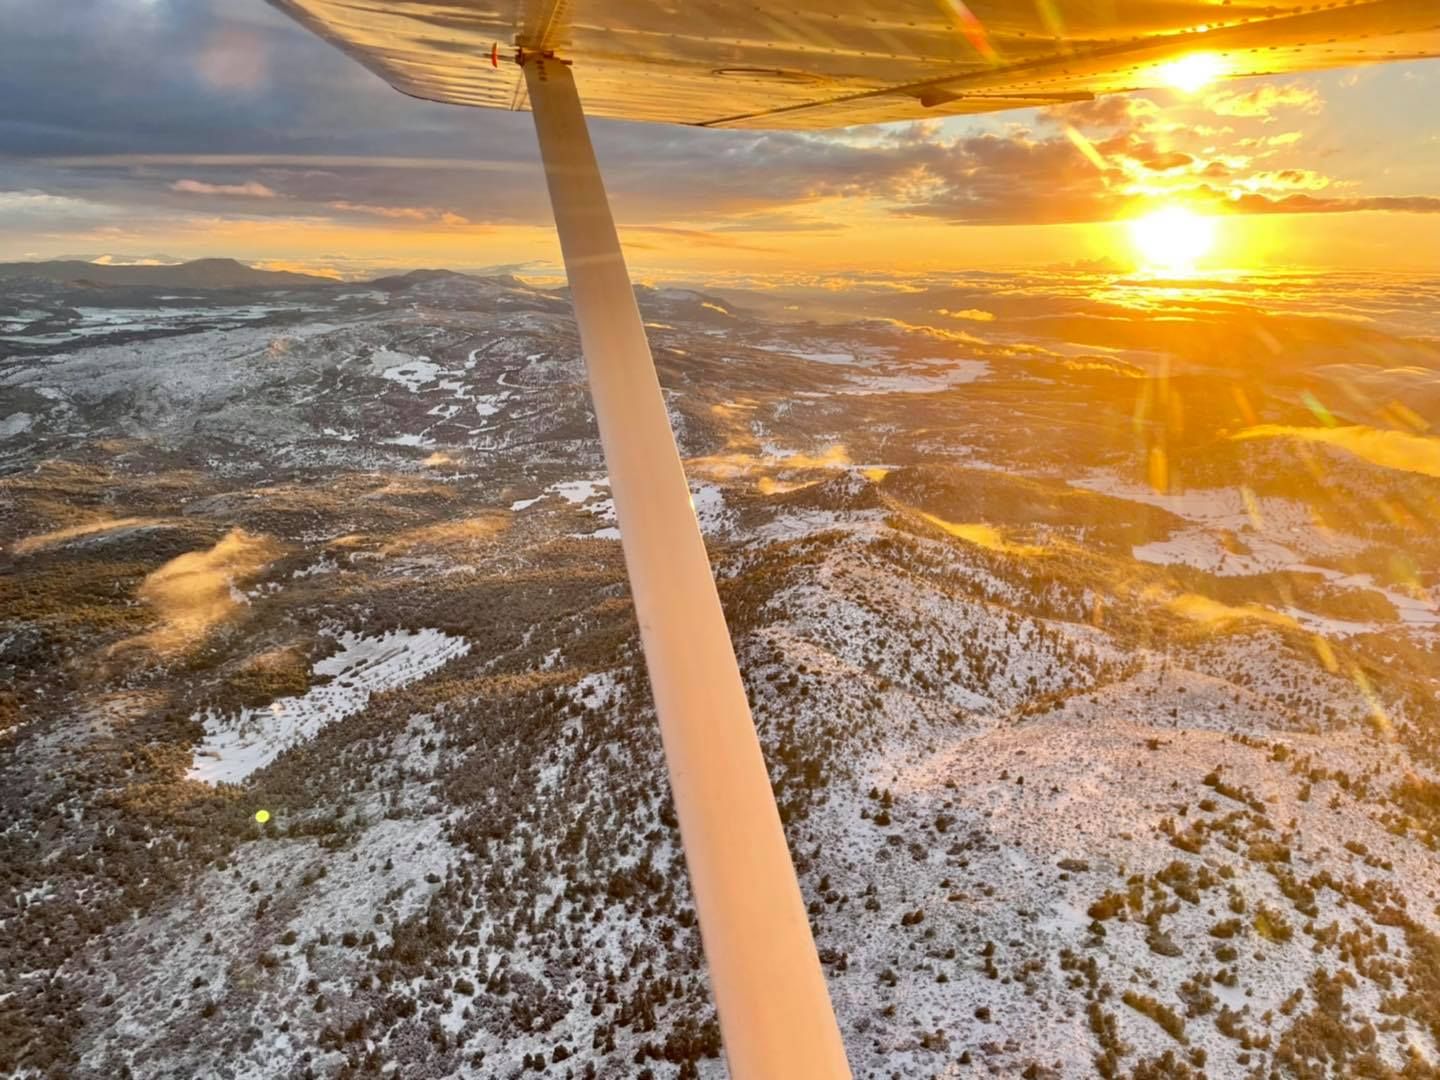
x,y
714,63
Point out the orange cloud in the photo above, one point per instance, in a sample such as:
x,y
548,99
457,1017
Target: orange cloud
x,y
1262,101
1288,179
402,213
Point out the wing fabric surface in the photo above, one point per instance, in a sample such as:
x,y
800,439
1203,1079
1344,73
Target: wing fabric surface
x,y
830,63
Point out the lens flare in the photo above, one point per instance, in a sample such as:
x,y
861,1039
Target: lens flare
x,y
1191,73
974,31
1086,147
1173,239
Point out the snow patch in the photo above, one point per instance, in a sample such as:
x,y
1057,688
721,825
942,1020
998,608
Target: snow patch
x,y
411,372
15,424
235,747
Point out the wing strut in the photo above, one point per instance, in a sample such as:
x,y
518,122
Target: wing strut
x,y
775,1014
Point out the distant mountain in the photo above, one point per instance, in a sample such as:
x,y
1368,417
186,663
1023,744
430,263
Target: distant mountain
x,y
198,274
415,277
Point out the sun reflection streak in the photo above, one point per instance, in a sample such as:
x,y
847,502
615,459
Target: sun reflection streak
x,y
981,535
57,537
1204,610
1055,23
1390,449
1086,147
1326,654
974,30
1379,718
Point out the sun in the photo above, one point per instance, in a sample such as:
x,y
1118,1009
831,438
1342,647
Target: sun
x,y
1173,239
1191,73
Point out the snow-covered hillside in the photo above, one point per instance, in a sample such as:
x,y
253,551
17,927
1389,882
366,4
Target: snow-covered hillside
x,y
1105,744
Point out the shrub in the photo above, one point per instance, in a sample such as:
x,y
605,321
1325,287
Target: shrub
x,y
1107,907
1166,1017
1271,925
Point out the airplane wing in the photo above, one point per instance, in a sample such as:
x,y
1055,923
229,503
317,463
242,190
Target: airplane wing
x,y
721,63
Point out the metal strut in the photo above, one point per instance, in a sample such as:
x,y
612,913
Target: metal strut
x,y
775,1013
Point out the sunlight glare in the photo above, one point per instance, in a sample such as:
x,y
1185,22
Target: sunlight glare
x,y
1191,73
1173,239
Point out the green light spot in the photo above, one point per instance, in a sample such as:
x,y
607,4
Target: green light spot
x,y
262,816
1321,412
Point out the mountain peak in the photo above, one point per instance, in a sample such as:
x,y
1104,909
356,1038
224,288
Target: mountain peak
x,y
209,273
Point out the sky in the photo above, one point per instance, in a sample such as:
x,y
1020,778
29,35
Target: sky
x,y
193,128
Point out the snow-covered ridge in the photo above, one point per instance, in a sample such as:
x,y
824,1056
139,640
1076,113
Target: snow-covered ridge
x,y
1276,534
235,747
593,497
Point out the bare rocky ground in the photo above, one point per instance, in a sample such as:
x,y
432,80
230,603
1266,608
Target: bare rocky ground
x,y
1105,740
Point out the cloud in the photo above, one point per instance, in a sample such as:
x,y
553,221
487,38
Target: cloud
x,y
697,236
233,59
407,213
1157,160
1006,179
20,205
1289,179
25,200
400,213
1021,178
251,107
1110,111
248,189
135,260
1308,204
1262,101
337,161
1389,449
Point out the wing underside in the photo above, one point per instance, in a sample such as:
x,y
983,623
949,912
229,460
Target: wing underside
x,y
718,63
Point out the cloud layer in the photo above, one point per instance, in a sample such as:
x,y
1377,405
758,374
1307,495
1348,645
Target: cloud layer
x,y
215,108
